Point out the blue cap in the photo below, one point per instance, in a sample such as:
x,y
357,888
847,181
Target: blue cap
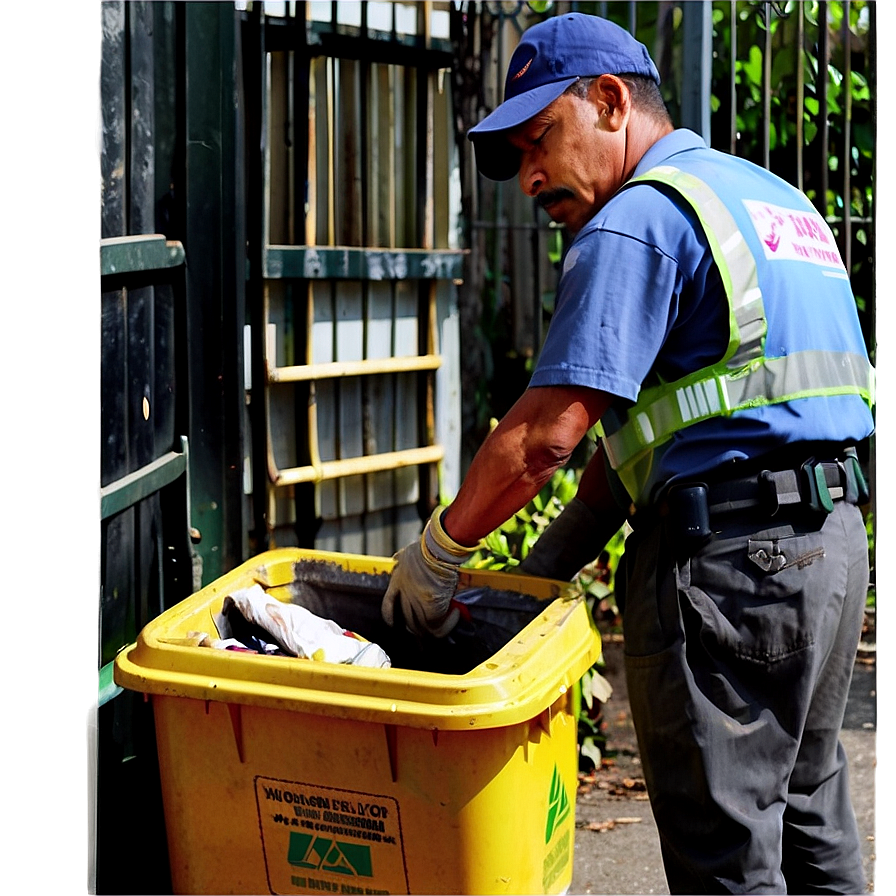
x,y
550,56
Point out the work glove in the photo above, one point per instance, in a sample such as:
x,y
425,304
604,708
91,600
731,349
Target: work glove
x,y
424,579
568,544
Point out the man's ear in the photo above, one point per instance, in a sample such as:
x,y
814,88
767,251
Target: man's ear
x,y
611,96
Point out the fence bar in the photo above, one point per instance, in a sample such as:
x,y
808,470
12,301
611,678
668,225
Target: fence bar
x,y
696,88
732,81
767,86
800,94
846,161
821,200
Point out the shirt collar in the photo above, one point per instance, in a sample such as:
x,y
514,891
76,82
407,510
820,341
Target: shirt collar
x,y
679,140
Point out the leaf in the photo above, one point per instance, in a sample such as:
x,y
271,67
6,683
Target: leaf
x,y
601,689
598,590
587,692
752,67
590,750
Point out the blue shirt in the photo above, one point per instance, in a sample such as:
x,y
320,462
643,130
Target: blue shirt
x,y
640,297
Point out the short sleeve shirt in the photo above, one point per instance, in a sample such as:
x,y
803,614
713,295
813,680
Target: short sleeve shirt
x,y
640,297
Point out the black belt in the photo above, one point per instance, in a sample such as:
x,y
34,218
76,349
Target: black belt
x,y
694,509
815,485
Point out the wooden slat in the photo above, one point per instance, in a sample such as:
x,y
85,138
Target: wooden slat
x,y
339,369
350,347
354,466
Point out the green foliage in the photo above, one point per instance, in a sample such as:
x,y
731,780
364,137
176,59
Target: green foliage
x,y
507,546
504,548
869,531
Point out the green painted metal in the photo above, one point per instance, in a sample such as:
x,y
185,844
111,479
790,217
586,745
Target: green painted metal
x,y
214,239
133,254
108,690
136,486
347,263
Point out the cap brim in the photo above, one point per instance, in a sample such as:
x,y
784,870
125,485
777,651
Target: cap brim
x,y
496,159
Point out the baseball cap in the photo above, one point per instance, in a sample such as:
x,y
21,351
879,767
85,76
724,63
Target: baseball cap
x,y
550,56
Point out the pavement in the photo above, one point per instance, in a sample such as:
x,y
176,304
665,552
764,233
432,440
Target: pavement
x,y
617,848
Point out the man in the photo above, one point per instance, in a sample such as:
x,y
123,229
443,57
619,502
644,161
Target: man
x,y
705,318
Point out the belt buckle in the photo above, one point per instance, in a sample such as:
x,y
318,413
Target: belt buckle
x,y
856,488
779,488
819,496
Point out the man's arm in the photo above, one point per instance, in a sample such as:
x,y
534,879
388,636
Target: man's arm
x,y
581,530
534,439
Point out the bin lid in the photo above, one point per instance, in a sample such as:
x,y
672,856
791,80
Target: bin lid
x,y
516,683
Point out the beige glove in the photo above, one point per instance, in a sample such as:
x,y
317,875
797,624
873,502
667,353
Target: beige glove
x,y
424,580
569,543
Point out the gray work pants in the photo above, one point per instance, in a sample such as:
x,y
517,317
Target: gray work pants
x,y
738,663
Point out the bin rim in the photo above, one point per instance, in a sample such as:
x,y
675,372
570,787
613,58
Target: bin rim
x,y
517,683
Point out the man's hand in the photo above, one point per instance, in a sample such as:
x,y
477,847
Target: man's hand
x,y
424,580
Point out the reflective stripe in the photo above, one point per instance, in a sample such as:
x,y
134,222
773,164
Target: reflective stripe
x,y
744,377
732,256
664,410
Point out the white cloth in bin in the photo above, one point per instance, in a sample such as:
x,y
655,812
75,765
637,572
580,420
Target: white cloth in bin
x,y
302,633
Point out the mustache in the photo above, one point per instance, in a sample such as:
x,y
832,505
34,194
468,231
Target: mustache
x,y
547,197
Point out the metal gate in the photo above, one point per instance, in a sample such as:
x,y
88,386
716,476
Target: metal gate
x,y
354,255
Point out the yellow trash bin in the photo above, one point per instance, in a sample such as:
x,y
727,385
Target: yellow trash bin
x,y
283,775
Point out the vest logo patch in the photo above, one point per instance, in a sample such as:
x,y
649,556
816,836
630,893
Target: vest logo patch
x,y
794,234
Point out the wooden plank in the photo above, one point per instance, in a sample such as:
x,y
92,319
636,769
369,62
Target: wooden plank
x,y
406,423
322,349
447,384
366,367
379,408
446,188
350,347
327,471
352,535
348,161
279,153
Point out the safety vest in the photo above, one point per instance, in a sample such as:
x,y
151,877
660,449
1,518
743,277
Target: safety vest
x,y
745,377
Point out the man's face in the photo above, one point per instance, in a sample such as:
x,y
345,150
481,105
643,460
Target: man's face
x,y
569,161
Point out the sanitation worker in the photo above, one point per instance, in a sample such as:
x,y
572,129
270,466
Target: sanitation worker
x,y
705,319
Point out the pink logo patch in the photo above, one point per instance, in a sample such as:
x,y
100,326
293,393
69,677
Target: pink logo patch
x,y
772,238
